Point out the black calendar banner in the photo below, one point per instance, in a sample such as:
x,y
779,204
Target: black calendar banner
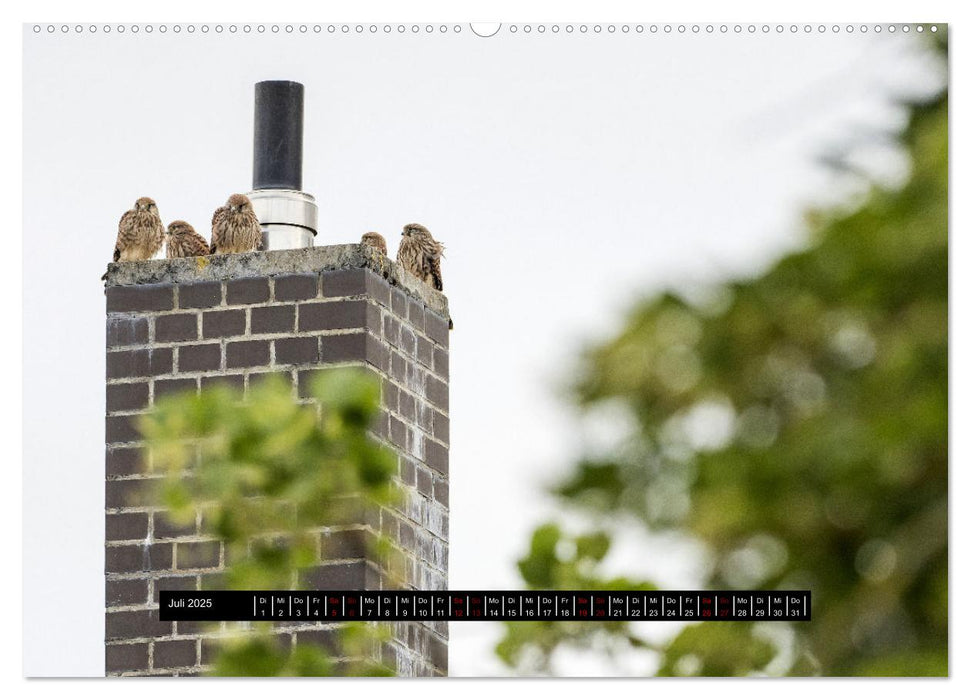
x,y
460,606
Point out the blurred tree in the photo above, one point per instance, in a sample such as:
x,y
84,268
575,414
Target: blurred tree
x,y
267,474
796,425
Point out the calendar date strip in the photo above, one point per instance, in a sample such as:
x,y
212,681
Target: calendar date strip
x,y
462,606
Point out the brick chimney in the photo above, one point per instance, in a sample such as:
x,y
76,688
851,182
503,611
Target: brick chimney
x,y
177,325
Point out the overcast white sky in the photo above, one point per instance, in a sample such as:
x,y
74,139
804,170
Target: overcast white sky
x,y
565,172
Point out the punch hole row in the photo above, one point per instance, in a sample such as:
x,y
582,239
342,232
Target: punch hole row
x,y
456,29
249,29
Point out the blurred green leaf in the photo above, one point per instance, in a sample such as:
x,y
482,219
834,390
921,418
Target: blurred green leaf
x,y
593,546
716,649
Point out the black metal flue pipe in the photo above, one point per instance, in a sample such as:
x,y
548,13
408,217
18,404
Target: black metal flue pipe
x,y
278,136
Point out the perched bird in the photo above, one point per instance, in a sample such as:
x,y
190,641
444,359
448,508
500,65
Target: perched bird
x,y
235,228
421,255
182,241
140,232
375,240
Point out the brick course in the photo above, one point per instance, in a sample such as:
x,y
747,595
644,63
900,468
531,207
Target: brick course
x,y
171,327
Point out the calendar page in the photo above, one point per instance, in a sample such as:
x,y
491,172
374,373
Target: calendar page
x,y
513,349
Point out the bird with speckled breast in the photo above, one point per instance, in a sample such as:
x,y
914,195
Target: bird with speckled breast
x,y
376,241
140,232
421,255
235,228
182,241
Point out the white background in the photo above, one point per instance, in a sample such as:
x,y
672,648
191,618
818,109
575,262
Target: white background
x,y
562,173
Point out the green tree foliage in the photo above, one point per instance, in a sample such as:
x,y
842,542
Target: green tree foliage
x,y
267,474
557,561
797,427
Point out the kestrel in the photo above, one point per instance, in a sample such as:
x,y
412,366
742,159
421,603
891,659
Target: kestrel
x,y
140,232
235,228
421,255
375,240
182,241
